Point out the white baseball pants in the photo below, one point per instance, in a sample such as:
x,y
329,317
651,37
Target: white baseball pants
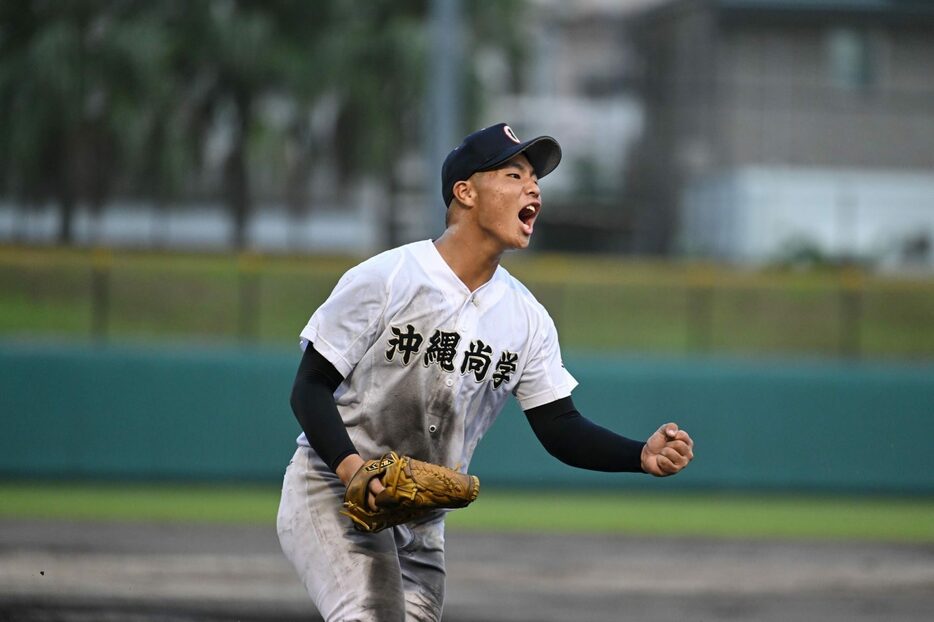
x,y
396,575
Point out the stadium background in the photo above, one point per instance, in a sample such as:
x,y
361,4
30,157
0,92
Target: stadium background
x,y
739,239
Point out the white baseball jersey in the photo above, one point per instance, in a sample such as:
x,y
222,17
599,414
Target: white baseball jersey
x,y
427,364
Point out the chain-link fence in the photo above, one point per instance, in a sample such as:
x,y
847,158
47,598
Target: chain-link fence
x,y
599,304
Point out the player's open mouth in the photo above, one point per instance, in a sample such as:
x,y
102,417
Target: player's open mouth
x,y
528,214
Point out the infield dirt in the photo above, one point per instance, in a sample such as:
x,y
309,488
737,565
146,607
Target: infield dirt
x,y
83,571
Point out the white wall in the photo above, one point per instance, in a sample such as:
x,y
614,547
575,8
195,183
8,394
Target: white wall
x,y
752,214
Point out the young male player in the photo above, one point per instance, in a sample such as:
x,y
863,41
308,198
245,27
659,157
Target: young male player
x,y
416,351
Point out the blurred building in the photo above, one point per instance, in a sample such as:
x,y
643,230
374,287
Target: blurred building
x,y
578,87
786,128
742,130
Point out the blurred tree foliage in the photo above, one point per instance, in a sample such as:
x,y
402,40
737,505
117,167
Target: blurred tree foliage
x,y
199,98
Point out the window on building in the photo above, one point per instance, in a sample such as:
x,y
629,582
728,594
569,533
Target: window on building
x,y
850,58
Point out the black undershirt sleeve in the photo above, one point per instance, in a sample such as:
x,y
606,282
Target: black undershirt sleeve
x,y
577,441
313,404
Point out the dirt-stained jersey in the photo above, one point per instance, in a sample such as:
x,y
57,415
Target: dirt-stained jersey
x,y
427,364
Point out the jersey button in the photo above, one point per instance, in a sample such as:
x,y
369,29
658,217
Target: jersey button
x,y
449,382
432,428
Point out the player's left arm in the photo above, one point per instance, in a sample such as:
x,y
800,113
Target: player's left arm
x,y
575,440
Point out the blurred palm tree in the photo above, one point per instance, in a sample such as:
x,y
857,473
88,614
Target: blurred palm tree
x,y
108,96
227,58
70,79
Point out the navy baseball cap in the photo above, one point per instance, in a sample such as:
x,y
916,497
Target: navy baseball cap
x,y
486,149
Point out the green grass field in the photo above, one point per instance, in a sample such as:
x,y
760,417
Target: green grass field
x,y
637,513
598,303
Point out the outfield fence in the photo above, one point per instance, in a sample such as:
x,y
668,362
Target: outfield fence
x,y
184,413
600,304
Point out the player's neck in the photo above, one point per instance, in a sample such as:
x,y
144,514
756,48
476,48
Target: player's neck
x,y
471,260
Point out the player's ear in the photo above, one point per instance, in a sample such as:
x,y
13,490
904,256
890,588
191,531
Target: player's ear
x,y
465,193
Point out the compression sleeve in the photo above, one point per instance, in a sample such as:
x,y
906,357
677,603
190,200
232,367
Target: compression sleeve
x,y
313,404
577,441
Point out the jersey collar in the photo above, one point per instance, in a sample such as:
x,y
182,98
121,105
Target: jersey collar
x,y
428,256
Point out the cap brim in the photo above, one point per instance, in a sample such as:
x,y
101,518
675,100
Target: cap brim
x,y
544,154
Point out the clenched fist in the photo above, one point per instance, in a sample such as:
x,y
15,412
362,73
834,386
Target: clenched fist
x,y
667,451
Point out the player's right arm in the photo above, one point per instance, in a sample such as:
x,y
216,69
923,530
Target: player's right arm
x,y
313,404
334,340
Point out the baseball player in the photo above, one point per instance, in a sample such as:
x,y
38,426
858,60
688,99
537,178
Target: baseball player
x,y
416,352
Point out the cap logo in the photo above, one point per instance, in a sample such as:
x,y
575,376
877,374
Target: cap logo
x,y
510,134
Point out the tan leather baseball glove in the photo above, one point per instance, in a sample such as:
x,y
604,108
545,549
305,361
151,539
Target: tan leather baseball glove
x,y
413,489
